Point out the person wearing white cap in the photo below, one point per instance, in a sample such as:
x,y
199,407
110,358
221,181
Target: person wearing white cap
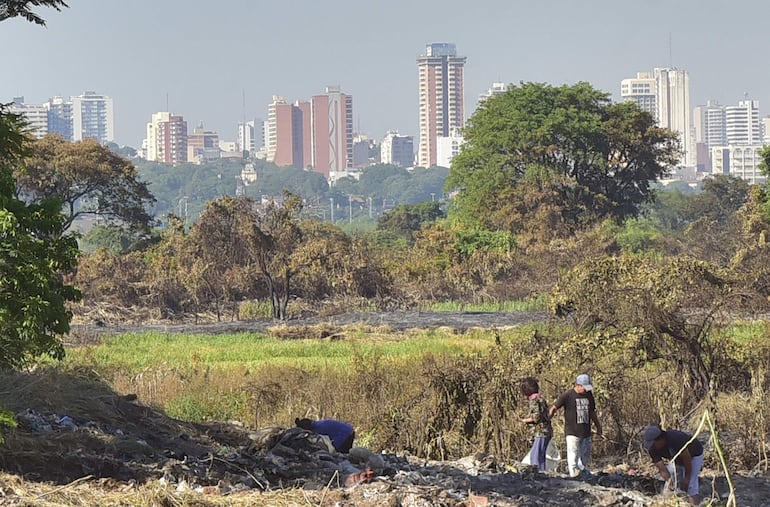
x,y
579,411
689,457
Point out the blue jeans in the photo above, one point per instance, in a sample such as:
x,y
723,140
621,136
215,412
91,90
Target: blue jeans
x,y
537,453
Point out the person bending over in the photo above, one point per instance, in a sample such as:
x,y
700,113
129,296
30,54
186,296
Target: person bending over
x,y
340,433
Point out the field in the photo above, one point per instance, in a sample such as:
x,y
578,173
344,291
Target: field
x,y
438,393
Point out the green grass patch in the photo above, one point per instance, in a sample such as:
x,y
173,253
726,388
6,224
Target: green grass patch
x,y
522,305
748,332
137,352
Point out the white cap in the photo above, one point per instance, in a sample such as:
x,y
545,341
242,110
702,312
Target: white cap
x,y
585,381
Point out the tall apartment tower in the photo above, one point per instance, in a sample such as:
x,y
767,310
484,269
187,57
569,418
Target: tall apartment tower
x,y
709,124
397,149
665,93
316,133
441,107
250,136
640,89
167,138
673,106
36,116
331,120
287,132
93,117
60,117
742,123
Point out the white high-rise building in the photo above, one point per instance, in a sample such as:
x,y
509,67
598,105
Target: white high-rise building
x,y
672,96
397,149
441,97
665,93
709,124
60,117
641,90
247,136
742,124
36,116
498,88
271,127
448,147
93,117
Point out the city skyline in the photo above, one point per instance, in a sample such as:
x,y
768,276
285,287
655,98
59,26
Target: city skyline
x,y
373,59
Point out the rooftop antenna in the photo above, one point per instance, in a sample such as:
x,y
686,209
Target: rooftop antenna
x,y
670,51
167,102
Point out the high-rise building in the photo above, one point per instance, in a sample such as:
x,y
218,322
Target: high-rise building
x,y
202,145
397,149
60,117
498,88
316,133
92,117
665,93
250,136
441,90
36,116
709,124
673,105
641,90
362,147
742,124
332,131
167,138
448,147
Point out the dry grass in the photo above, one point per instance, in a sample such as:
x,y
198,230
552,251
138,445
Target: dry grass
x,y
107,493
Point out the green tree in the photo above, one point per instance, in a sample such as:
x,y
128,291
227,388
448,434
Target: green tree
x,y
88,179
34,256
566,149
23,8
406,219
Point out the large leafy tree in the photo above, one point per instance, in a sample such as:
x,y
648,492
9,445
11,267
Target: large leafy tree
x,y
89,179
23,8
557,159
34,256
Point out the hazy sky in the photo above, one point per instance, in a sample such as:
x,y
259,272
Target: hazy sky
x,y
203,55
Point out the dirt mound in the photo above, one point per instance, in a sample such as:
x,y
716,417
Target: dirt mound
x,y
80,443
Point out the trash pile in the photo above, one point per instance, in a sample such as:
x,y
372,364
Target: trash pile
x,y
224,459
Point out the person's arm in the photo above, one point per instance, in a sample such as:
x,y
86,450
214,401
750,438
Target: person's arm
x,y
597,424
533,417
556,406
663,470
684,483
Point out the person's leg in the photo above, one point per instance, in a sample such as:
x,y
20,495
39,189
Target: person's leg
x,y
693,489
572,455
585,452
543,454
537,453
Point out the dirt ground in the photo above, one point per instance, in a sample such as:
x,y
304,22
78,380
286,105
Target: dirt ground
x,y
396,320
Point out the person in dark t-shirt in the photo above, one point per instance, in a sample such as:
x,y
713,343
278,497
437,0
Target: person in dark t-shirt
x,y
340,433
688,462
579,412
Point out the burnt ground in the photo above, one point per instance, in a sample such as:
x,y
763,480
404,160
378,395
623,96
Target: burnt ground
x,y
77,436
395,320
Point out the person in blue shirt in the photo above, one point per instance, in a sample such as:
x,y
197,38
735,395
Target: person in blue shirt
x,y
340,433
